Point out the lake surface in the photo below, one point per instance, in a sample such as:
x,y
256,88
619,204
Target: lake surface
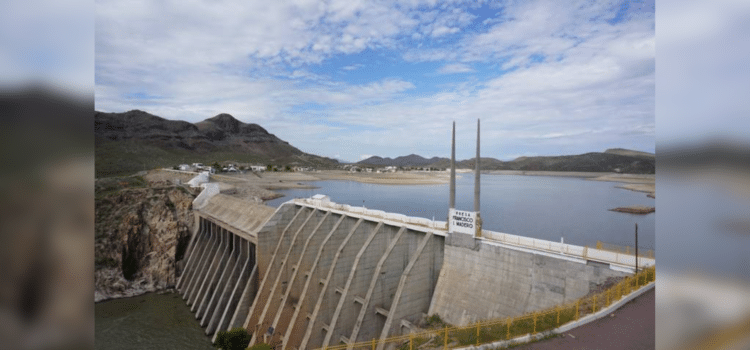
x,y
544,207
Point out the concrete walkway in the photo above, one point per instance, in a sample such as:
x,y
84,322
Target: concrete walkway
x,y
632,327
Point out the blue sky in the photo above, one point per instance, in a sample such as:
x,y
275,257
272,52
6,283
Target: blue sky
x,y
349,79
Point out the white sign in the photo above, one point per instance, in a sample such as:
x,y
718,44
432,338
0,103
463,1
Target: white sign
x,y
462,221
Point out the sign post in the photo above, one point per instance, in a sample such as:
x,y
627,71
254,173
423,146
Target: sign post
x,y
462,221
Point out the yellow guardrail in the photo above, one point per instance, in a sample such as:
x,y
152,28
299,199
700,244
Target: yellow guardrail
x,y
509,328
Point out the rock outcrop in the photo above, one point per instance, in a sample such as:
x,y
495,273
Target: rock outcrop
x,y
142,232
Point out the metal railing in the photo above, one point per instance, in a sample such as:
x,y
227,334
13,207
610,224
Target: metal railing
x,y
509,328
583,252
624,250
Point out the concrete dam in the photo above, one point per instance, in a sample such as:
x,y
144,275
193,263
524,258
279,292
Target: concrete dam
x,y
314,273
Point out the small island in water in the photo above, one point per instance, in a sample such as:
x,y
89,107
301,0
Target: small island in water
x,y
635,209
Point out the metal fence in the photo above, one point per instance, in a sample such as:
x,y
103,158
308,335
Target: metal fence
x,y
510,328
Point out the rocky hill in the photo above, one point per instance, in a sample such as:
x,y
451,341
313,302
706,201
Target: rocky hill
x,y
136,140
612,160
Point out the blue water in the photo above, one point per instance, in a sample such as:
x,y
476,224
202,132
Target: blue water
x,y
542,207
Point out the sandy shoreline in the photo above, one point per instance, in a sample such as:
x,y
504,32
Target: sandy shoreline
x,y
650,189
645,183
263,185
398,178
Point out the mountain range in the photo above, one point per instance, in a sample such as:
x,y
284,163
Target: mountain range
x,y
611,160
136,140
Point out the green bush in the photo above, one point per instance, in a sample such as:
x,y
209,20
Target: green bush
x,y
235,339
260,346
434,321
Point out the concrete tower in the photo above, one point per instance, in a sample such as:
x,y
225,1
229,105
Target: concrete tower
x,y
453,169
476,189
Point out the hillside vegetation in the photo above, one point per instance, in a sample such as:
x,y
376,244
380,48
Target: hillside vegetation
x,y
612,160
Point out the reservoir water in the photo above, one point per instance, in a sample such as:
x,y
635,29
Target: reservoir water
x,y
544,207
149,321
532,206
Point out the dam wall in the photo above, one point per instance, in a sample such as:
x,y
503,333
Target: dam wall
x,y
330,274
486,279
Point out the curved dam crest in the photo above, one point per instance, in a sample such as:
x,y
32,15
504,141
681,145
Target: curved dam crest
x,y
315,273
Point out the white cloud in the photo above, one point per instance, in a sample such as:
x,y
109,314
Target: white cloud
x,y
455,68
443,30
353,66
595,85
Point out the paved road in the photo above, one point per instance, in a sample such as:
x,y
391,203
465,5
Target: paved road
x,y
632,327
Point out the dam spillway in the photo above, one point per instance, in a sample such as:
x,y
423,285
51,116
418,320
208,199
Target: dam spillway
x,y
332,276
314,273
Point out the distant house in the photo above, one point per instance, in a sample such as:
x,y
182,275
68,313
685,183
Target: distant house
x,y
185,167
258,168
390,169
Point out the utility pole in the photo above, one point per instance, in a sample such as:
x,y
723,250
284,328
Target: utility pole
x,y
636,247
